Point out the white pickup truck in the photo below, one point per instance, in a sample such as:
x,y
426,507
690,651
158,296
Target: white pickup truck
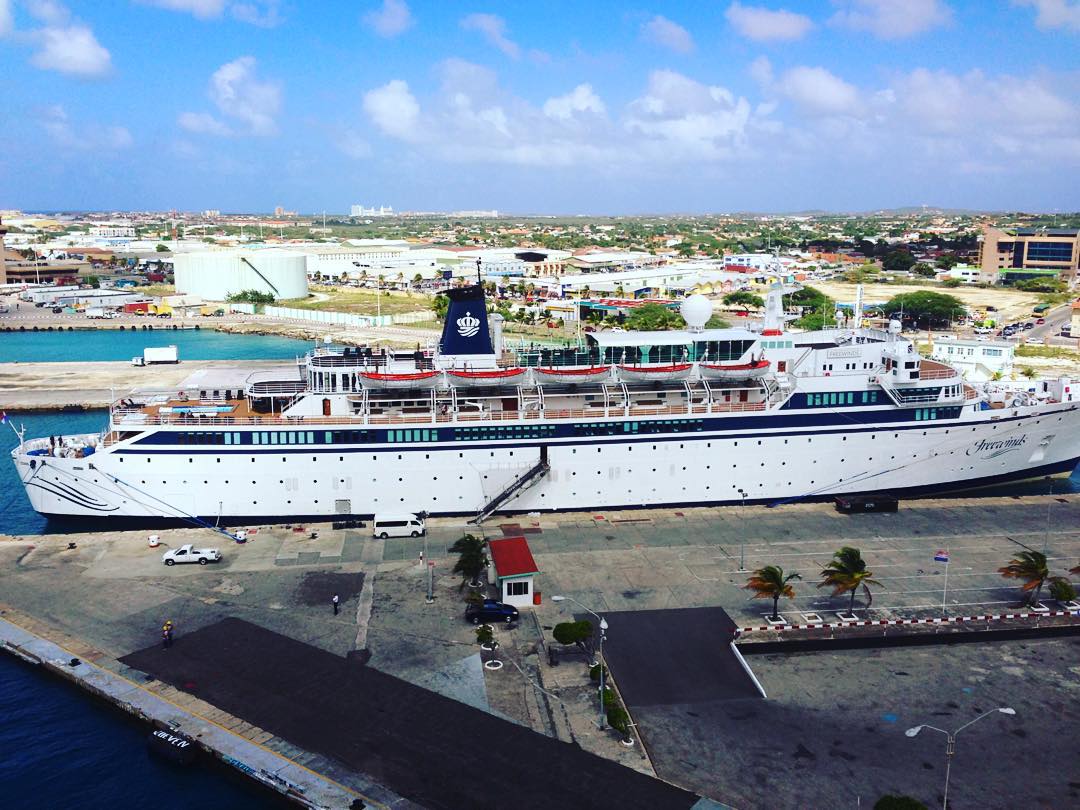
x,y
189,554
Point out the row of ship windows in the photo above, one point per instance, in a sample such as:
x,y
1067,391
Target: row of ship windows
x,y
624,428
841,398
486,433
922,414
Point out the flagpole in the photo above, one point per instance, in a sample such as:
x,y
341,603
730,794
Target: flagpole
x,y
945,590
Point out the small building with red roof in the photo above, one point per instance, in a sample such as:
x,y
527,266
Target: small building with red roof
x,y
514,569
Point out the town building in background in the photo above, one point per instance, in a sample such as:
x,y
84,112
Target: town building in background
x,y
977,361
1015,254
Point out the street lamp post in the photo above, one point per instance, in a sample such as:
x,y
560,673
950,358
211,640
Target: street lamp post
x,y
950,745
742,535
603,629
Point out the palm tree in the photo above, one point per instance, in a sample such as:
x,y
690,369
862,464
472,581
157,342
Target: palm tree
x,y
471,560
1029,373
846,572
1031,567
770,582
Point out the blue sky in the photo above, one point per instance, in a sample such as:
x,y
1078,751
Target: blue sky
x,y
552,107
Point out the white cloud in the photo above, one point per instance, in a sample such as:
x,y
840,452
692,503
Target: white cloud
x,y
240,96
202,123
663,31
89,138
916,120
892,19
683,118
765,25
818,92
1054,13
72,50
263,13
202,9
49,12
352,144
7,23
940,102
494,30
394,110
471,119
761,71
392,19
581,99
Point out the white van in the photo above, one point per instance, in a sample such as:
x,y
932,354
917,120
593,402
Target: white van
x,y
397,526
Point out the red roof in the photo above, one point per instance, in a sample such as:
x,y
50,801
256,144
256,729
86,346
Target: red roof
x,y
512,557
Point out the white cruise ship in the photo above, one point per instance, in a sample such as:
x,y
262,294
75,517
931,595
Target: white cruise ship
x,y
629,419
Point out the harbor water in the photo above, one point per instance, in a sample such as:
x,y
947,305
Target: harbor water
x,y
60,748
93,345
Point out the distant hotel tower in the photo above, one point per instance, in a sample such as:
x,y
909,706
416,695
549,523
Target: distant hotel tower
x,y
1015,254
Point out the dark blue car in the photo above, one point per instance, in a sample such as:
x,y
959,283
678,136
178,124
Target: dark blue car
x,y
491,611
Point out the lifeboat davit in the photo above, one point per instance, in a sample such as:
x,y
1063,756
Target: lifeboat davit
x,y
734,371
571,376
677,371
381,381
495,376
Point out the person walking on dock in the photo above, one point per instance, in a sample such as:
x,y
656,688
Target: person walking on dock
x,y
167,634
335,601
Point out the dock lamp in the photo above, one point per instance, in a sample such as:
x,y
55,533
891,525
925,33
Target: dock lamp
x,y
950,745
600,721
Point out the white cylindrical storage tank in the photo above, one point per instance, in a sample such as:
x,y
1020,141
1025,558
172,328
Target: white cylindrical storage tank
x,y
216,274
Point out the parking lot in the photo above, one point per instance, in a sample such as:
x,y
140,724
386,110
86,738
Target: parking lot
x,y
830,718
692,558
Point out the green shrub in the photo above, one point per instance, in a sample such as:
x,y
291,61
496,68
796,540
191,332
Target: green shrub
x,y
573,633
610,700
594,673
484,634
1062,590
619,720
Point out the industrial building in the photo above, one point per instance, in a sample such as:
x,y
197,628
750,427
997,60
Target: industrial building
x,y
1015,254
214,275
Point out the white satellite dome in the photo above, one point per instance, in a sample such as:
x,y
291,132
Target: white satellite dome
x,y
696,311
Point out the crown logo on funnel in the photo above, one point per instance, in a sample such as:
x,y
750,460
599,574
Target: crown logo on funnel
x,y
468,326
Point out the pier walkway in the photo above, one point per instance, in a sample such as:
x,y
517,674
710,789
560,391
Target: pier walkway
x,y
436,751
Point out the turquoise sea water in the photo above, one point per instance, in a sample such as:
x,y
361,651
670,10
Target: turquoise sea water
x,y
112,344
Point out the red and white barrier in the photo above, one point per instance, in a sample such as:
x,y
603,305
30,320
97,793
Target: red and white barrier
x,y
891,622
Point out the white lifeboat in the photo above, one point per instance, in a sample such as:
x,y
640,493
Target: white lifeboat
x,y
495,376
675,371
382,381
753,370
572,376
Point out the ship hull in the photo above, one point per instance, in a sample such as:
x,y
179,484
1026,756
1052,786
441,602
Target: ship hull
x,y
767,464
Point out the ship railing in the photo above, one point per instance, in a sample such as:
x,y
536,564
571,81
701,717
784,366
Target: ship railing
x,y
271,387
936,373
197,422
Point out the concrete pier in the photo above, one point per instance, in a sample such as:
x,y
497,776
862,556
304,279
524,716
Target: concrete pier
x,y
230,740
59,386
